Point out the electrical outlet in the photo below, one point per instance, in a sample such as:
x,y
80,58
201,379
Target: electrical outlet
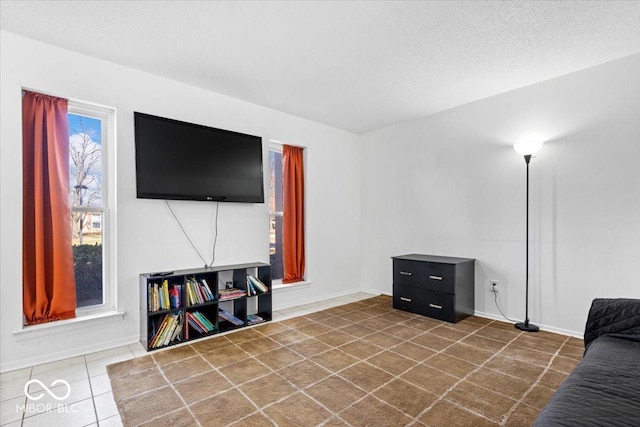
x,y
493,285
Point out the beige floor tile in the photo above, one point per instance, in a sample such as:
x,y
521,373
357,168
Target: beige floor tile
x,y
108,353
12,410
69,374
105,406
15,375
100,384
13,388
277,316
293,312
111,422
99,367
79,414
77,390
137,349
60,364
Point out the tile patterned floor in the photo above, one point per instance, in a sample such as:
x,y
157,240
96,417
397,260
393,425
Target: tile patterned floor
x,y
90,402
361,364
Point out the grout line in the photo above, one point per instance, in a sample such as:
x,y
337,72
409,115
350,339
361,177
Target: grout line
x,y
93,402
159,368
443,395
536,382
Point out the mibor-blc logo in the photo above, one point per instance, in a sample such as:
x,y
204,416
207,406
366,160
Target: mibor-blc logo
x,y
60,394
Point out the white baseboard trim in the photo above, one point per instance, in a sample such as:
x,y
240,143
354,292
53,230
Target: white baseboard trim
x,y
492,316
541,326
374,291
324,298
66,354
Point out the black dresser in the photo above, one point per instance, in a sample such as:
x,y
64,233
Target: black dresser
x,y
435,286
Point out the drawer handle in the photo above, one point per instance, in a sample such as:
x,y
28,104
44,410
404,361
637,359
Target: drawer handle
x,y
405,273
435,277
439,307
405,299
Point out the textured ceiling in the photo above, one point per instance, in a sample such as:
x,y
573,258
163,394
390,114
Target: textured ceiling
x,y
358,66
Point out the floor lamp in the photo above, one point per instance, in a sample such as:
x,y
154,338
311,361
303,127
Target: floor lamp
x,y
527,149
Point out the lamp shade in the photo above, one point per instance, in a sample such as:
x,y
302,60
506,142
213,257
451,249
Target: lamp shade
x,y
527,147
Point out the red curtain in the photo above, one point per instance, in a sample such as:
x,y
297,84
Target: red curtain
x,y
49,291
293,221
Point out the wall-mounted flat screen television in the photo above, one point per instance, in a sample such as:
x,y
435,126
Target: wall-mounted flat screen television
x,y
182,161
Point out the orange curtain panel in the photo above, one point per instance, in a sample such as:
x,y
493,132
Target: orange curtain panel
x,y
293,217
49,291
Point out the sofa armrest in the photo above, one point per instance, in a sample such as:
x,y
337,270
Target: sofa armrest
x,y
620,316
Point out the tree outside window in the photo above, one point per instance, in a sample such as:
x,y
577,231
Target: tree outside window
x,y
85,196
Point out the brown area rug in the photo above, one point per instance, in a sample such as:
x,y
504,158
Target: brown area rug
x,y
359,364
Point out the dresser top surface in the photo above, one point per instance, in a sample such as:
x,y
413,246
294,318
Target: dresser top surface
x,y
433,258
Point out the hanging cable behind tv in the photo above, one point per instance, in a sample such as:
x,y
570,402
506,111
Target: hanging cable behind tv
x,y
215,239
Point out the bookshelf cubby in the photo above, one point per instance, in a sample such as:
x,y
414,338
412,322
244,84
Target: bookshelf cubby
x,y
185,305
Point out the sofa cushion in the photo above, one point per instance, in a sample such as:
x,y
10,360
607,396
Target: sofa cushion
x,y
603,390
612,316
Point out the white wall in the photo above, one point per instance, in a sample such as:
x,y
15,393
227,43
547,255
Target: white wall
x,y
148,239
447,184
451,184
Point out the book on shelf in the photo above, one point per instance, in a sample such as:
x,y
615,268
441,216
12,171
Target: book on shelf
x,y
198,291
227,294
256,284
230,317
252,319
207,289
200,322
168,331
164,296
195,324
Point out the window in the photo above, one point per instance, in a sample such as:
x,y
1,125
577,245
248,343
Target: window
x,y
87,160
275,211
65,219
286,210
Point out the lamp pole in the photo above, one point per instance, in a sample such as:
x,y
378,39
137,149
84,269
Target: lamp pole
x,y
526,326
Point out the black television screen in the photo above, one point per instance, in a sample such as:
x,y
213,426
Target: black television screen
x,y
183,161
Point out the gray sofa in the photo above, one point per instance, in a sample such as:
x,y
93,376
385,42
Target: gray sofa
x,y
604,389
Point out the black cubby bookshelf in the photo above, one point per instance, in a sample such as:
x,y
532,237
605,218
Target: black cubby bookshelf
x,y
169,300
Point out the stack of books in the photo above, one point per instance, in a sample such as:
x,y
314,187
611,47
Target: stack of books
x,y
252,319
230,317
227,294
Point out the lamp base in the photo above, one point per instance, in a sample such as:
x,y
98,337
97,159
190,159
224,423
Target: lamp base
x,y
527,327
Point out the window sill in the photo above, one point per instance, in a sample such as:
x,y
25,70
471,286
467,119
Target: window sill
x,y
63,326
278,286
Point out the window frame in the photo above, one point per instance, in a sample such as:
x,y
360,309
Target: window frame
x,y
106,115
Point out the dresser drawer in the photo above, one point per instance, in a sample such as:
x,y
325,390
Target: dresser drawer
x,y
439,306
424,275
409,299
427,303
